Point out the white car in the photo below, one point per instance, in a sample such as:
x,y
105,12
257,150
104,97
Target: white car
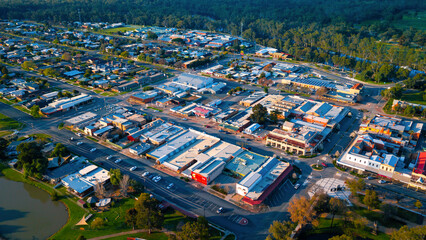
x,y
72,139
133,168
145,174
118,160
382,181
93,149
156,179
109,157
170,186
184,119
79,143
296,186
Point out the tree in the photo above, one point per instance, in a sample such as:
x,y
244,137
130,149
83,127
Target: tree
x,y
178,41
418,204
266,89
66,56
259,114
50,72
4,70
3,146
131,217
341,237
124,185
124,54
28,65
405,233
35,111
147,88
60,151
31,159
355,185
99,190
151,35
115,176
301,211
371,200
273,117
281,230
337,207
81,237
149,215
97,223
198,230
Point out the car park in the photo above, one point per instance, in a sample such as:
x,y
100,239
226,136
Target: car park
x,y
118,160
296,186
109,157
79,143
93,149
171,185
133,168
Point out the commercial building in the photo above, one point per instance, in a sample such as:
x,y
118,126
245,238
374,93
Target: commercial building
x,y
189,81
143,97
395,130
418,176
252,100
245,162
139,149
259,184
237,122
63,105
82,182
82,120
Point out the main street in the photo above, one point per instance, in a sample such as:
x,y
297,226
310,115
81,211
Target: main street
x,y
182,194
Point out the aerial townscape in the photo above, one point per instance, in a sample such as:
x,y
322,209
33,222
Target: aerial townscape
x,y
197,120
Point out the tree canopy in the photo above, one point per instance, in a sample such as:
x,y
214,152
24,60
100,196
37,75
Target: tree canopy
x,y
149,215
260,114
31,159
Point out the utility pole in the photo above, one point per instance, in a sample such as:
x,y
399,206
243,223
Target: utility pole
x,y
79,16
241,31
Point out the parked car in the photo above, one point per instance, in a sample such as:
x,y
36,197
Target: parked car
x,y
382,181
370,178
145,174
324,164
72,139
297,186
156,179
93,149
219,210
109,157
118,160
184,119
133,168
79,143
170,186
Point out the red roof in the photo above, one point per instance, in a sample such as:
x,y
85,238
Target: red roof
x,y
357,86
201,110
421,163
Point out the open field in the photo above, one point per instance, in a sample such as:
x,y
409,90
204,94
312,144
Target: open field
x,y
120,29
414,98
7,123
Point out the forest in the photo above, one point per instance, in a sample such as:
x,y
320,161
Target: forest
x,y
360,35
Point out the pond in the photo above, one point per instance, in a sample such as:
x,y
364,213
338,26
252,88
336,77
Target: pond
x,y
27,212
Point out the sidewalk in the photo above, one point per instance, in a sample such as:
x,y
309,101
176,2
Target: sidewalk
x,y
127,233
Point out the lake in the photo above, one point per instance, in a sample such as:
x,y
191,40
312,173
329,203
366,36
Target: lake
x,y
27,212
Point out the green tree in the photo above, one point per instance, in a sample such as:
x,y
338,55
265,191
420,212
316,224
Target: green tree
x,y
266,89
273,116
281,230
355,185
341,237
259,114
371,200
4,70
405,233
131,217
409,110
60,151
178,41
60,94
147,88
115,176
66,56
149,215
302,212
28,65
124,54
418,204
151,35
35,111
31,159
3,146
50,72
198,230
97,223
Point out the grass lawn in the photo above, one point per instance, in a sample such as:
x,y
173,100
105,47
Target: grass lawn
x,y
5,133
22,109
109,94
120,29
5,101
8,123
414,98
173,218
378,217
411,20
324,229
153,236
153,108
97,91
92,138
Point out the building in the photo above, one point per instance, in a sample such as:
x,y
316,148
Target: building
x,y
298,137
418,176
252,100
140,149
368,153
82,182
143,97
63,105
244,162
126,87
259,184
82,120
188,81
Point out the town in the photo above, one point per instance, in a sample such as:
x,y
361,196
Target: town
x,y
209,126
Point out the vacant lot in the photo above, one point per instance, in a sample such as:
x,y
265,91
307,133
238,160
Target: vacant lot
x,y
414,97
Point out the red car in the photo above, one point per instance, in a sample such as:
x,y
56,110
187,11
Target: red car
x,y
325,165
